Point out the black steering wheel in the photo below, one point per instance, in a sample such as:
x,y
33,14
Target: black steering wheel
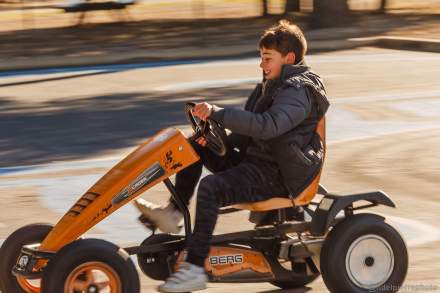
x,y
214,134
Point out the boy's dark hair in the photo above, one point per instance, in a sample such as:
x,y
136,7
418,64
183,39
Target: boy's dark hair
x,y
285,37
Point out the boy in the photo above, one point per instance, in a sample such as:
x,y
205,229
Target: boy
x,y
272,151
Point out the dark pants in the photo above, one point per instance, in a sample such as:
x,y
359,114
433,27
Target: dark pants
x,y
237,179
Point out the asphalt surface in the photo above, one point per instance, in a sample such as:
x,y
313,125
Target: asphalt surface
x,y
60,131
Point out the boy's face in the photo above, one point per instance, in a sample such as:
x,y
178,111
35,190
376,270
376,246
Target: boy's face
x,y
272,62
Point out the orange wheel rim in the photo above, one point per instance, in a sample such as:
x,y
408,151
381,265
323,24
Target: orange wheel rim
x,y
93,277
29,286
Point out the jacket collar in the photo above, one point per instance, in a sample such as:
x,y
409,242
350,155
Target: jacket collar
x,y
289,70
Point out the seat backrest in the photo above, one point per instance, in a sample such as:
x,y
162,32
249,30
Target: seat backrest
x,y
309,193
302,199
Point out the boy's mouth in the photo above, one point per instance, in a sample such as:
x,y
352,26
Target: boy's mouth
x,y
266,72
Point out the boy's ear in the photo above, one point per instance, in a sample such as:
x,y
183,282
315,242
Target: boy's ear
x,y
290,58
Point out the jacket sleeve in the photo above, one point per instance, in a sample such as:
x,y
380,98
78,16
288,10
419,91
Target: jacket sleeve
x,y
290,107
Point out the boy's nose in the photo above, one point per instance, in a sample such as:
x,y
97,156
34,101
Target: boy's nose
x,y
261,64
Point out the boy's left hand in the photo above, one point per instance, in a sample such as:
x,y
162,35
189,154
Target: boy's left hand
x,y
203,110
202,141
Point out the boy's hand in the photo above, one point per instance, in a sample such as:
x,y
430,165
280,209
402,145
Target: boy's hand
x,y
201,141
203,110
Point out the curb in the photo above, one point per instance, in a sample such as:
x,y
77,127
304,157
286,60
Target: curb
x,y
213,52
137,56
416,44
402,43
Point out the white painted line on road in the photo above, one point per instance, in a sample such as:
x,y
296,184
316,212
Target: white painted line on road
x,y
97,68
389,55
213,83
204,84
387,97
375,58
392,55
384,134
415,232
59,166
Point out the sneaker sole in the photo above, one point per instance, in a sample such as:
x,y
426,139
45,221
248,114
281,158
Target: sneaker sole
x,y
180,290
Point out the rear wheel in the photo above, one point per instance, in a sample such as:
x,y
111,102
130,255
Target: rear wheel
x,y
90,265
9,253
364,254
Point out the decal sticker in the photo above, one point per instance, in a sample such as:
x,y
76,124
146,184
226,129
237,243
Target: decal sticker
x,y
82,203
170,163
149,175
106,209
226,259
102,212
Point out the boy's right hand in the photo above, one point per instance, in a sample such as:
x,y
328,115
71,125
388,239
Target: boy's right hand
x,y
201,141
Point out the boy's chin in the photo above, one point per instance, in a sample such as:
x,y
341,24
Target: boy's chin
x,y
270,77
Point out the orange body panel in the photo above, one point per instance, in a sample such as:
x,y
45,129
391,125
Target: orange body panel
x,y
253,260
303,199
160,156
235,260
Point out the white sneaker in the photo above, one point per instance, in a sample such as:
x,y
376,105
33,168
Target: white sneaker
x,y
166,219
126,2
71,3
188,278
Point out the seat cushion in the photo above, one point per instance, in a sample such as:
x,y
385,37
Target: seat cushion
x,y
265,205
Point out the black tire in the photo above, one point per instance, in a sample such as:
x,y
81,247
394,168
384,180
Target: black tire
x,y
10,251
90,251
346,239
158,266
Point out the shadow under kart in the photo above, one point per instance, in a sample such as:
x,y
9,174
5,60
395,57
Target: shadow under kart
x,y
354,252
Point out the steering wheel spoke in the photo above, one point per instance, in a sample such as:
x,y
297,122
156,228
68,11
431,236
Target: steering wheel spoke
x,y
215,134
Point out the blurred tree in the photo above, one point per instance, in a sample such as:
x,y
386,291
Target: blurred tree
x,y
330,12
292,5
289,6
383,5
265,7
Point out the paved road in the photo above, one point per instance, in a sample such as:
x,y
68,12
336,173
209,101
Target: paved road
x,y
383,131
108,109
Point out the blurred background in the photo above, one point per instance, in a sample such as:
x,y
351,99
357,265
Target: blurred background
x,y
81,85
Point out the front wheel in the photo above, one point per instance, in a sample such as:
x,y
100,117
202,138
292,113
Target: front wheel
x,y
364,254
9,253
90,265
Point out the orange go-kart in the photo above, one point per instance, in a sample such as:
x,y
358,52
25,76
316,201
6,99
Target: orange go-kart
x,y
354,252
